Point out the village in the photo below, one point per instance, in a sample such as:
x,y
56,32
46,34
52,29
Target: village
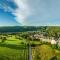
x,y
41,37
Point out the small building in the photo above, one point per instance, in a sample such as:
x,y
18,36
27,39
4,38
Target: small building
x,y
53,42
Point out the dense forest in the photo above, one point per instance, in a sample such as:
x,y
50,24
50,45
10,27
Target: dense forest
x,y
21,28
30,28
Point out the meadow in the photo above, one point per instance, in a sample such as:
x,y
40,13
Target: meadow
x,y
15,45
13,49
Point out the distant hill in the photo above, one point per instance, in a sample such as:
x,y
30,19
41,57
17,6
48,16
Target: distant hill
x,y
19,28
30,28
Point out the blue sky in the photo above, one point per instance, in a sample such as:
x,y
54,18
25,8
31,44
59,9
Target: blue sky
x,y
29,12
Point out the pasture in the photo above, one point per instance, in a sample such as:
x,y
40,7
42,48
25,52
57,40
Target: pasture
x,y
14,47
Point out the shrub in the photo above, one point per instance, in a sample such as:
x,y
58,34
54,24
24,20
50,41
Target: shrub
x,y
33,45
22,42
54,46
3,39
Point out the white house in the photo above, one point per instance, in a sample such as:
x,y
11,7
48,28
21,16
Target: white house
x,y
53,42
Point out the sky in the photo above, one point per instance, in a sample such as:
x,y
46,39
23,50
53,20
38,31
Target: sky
x,y
29,12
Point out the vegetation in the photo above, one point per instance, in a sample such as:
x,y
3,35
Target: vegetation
x,y
14,42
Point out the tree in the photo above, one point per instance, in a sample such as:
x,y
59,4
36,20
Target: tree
x,y
56,36
3,39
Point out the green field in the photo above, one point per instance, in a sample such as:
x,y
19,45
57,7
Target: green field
x,y
17,49
13,49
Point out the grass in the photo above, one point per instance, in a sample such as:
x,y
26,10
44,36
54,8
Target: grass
x,y
12,54
45,52
15,49
12,49
13,40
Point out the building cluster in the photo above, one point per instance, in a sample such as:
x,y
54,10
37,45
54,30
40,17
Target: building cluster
x,y
41,37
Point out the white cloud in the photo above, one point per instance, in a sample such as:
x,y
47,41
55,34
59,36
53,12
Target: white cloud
x,y
35,12
22,11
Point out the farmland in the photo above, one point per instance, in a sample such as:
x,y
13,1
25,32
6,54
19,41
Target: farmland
x,y
15,45
12,49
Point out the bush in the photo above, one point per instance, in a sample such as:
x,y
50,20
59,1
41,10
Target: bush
x,y
33,45
54,46
3,39
22,42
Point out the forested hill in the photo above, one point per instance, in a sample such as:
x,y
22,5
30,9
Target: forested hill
x,y
30,28
20,28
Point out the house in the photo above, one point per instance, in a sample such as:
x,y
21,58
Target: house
x,y
53,42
